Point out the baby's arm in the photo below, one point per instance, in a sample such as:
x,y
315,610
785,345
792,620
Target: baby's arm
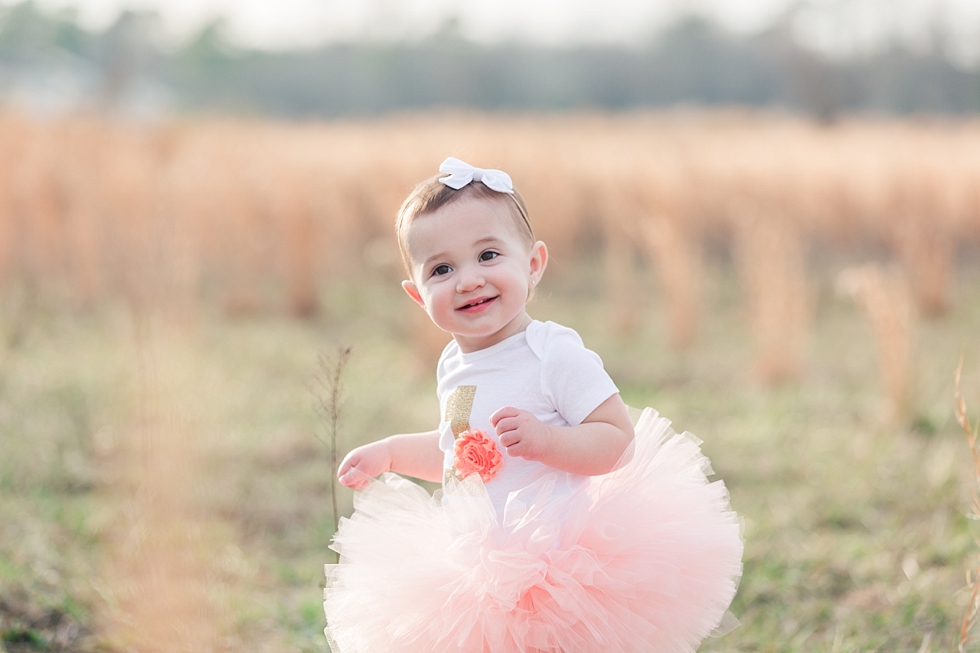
x,y
412,454
593,447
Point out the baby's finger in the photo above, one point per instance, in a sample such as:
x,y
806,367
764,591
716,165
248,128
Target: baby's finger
x,y
348,462
506,425
515,449
502,413
355,479
348,480
510,439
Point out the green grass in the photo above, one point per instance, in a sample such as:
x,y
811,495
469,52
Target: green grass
x,y
855,529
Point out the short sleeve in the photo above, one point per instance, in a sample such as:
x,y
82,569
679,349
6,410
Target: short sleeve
x,y
573,380
449,352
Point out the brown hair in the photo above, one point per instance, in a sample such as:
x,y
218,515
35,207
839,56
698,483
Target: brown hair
x,y
431,195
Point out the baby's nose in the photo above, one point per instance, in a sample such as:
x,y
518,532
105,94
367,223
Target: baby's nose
x,y
469,280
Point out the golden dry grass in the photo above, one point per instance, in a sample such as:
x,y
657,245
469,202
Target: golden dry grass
x,y
217,209
257,216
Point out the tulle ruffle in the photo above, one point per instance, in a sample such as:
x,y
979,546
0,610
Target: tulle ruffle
x,y
647,559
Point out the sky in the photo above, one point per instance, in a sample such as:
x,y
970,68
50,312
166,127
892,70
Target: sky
x,y
836,27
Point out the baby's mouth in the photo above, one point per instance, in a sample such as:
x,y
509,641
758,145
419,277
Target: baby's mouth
x,y
477,303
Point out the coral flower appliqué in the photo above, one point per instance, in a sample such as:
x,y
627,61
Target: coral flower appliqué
x,y
476,453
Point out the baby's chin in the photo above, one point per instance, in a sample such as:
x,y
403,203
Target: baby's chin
x,y
481,339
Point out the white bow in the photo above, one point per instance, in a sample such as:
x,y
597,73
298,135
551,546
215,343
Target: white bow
x,y
462,173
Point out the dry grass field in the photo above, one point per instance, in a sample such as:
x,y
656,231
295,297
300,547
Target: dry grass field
x,y
798,296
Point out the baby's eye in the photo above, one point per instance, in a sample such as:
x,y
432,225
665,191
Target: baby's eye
x,y
440,270
489,255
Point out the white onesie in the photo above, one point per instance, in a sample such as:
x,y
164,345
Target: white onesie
x,y
545,370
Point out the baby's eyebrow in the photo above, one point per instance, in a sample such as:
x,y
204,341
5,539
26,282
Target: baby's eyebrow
x,y
434,257
487,239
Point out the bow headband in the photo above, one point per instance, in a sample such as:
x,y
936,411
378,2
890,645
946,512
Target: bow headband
x,y
462,173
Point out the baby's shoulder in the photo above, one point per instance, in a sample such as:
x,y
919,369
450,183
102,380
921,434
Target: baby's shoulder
x,y
547,339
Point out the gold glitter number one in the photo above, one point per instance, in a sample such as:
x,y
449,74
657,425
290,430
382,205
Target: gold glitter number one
x,y
459,405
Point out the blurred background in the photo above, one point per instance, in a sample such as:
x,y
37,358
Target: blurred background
x,y
334,58
764,216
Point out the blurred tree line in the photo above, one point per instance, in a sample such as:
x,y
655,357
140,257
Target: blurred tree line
x,y
693,62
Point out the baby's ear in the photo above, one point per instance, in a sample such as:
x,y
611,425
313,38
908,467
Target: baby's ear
x,y
413,292
539,261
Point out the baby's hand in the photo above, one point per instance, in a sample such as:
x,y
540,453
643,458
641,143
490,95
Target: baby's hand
x,y
521,433
364,463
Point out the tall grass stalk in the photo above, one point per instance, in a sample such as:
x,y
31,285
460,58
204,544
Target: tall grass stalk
x,y
328,403
886,299
621,286
772,269
972,615
676,257
929,258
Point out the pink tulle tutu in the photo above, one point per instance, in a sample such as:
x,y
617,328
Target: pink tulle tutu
x,y
647,559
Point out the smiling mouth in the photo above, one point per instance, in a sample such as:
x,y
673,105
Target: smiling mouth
x,y
477,303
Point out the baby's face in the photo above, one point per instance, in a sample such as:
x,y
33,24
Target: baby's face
x,y
472,271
